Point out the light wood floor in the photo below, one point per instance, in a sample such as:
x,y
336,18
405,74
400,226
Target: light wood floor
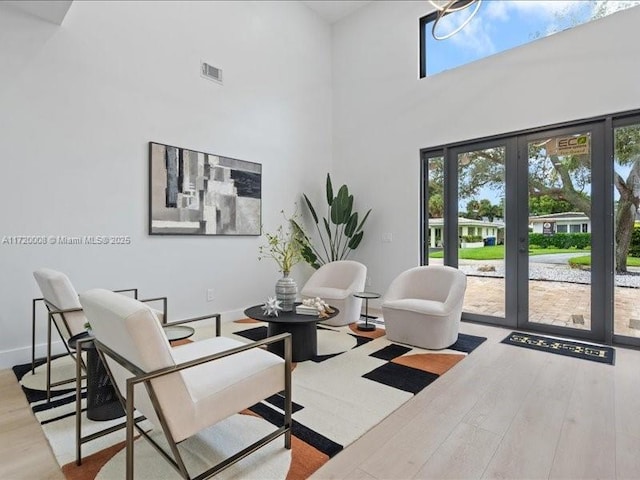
x,y
505,412
24,450
508,412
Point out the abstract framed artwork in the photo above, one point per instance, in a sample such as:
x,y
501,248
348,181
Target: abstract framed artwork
x,y
196,193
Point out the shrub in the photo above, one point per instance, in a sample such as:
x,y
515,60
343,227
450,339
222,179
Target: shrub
x,y
561,240
634,249
471,238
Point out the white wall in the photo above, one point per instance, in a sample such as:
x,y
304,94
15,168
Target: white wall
x,y
383,113
78,104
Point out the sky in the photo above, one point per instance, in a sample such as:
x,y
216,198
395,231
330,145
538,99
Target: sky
x,y
503,24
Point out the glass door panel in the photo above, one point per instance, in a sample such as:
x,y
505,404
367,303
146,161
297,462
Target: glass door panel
x,y
559,243
481,229
434,235
521,216
626,228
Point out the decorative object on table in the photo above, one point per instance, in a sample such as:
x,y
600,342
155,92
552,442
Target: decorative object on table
x,y
196,193
366,326
286,291
284,247
345,235
336,282
315,306
271,307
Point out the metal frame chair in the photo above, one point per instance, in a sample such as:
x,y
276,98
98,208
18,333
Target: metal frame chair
x,y
53,310
80,440
177,462
160,392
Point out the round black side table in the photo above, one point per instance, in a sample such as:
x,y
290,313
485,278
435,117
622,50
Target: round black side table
x,y
303,330
365,326
102,400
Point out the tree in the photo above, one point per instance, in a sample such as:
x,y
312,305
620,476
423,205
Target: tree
x,y
545,205
436,187
559,183
487,209
627,153
478,209
473,209
436,206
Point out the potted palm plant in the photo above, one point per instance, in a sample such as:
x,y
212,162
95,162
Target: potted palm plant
x,y
341,230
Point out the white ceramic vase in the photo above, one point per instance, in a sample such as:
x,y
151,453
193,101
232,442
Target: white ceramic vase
x,y
286,292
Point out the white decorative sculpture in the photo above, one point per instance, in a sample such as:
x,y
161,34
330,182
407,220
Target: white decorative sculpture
x,y
271,307
324,310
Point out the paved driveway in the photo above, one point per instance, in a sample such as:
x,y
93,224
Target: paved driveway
x,y
556,258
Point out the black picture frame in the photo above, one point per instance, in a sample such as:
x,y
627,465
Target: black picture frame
x,y
204,194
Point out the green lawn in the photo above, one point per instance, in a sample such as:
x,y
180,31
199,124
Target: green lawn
x,y
497,252
586,261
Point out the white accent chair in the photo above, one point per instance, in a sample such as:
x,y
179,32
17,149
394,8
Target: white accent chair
x,y
64,313
336,282
423,306
184,389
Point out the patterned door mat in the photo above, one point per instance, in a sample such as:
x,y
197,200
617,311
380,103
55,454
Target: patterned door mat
x,y
586,351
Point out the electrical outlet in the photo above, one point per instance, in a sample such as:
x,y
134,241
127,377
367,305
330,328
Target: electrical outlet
x,y
210,295
368,281
387,237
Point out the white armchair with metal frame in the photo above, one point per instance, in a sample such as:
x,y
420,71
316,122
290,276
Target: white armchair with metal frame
x,y
336,282
80,344
64,312
184,389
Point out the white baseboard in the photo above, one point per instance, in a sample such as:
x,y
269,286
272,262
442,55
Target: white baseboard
x,y
17,356
232,315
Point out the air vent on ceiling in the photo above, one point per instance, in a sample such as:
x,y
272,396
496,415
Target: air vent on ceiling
x,y
211,72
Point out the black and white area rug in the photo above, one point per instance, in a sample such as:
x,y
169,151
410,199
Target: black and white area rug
x,y
356,380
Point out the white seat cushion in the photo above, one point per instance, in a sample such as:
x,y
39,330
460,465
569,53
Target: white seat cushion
x,y
430,307
326,293
239,366
223,387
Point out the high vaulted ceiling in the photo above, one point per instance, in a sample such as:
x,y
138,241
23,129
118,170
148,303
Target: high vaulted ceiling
x,y
334,10
51,11
55,11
